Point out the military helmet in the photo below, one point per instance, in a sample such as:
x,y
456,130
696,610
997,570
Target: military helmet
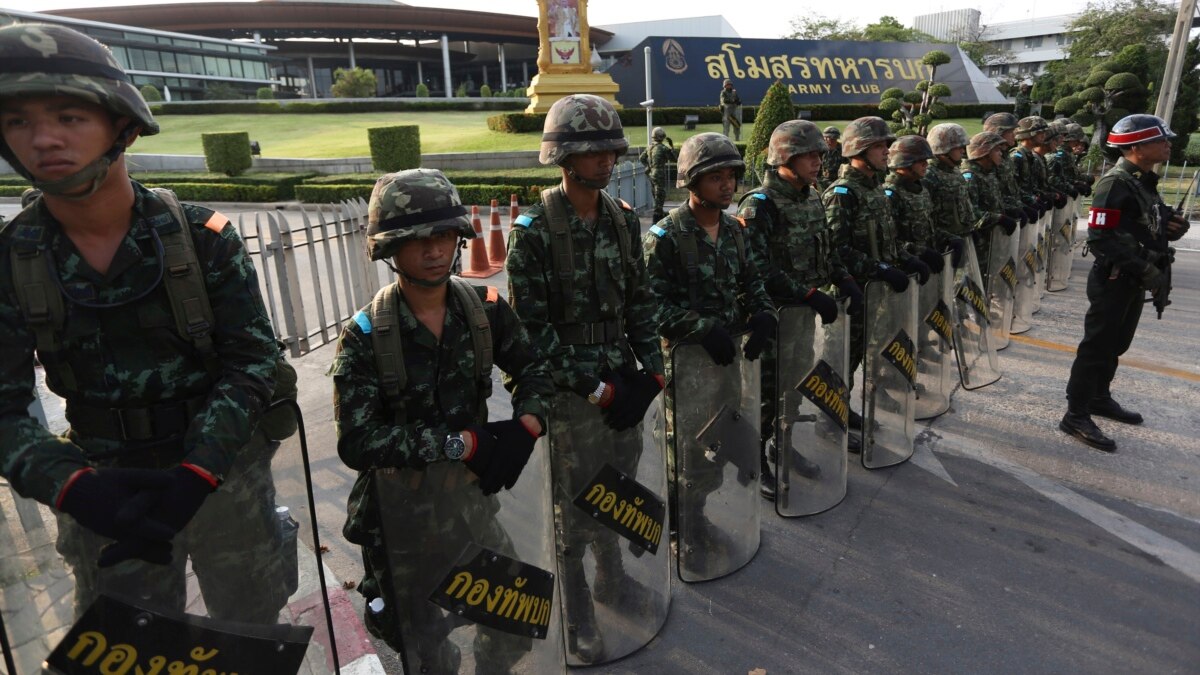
x,y
908,150
1030,126
727,83
704,153
581,123
1075,132
794,137
658,133
1055,129
864,132
831,131
947,136
1000,122
1138,129
983,143
413,204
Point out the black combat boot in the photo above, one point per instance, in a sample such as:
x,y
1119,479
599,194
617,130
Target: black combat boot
x,y
856,420
1105,406
612,586
767,487
1081,426
583,637
853,443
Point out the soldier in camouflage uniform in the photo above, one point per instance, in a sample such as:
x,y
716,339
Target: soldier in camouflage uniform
x,y
1056,183
832,160
1016,205
165,456
657,158
593,319
723,292
1061,169
912,208
984,154
731,110
1030,166
864,234
431,437
789,239
953,212
1021,107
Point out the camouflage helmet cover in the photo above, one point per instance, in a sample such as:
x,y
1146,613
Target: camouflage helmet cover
x,y
1000,122
704,153
947,136
1030,126
413,204
983,143
1056,129
42,59
727,83
658,133
1075,132
794,137
1138,129
908,150
581,123
864,132
831,131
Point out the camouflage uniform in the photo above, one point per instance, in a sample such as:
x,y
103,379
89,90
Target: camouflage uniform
x,y
1029,165
119,354
658,158
953,211
983,189
730,103
1021,107
441,396
911,206
832,160
1006,173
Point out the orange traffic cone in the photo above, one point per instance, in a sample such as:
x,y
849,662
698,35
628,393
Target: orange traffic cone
x,y
479,265
496,249
514,209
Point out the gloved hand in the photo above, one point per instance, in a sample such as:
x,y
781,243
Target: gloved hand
x,y
932,259
1008,224
762,328
1177,226
1162,260
1031,214
186,490
719,345
1153,279
1060,200
514,445
1072,192
823,304
958,246
912,265
113,503
1044,204
895,278
484,460
849,288
630,405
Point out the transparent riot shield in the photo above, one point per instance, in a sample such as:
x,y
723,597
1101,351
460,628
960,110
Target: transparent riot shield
x,y
1000,286
889,373
935,342
715,434
978,365
1026,291
243,591
1039,256
471,582
610,512
814,404
1061,251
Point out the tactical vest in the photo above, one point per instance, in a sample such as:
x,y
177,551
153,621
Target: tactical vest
x,y
689,253
1148,204
44,311
389,348
809,265
874,217
918,212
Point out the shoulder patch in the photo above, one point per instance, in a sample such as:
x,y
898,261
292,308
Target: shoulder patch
x,y
759,195
749,212
841,190
216,222
657,231
741,221
889,192
1017,153
967,175
493,294
523,220
364,321
624,204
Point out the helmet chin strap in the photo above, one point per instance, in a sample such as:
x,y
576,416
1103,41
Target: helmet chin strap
x,y
93,173
591,184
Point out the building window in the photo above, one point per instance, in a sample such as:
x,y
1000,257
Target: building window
x,y
1033,42
1060,39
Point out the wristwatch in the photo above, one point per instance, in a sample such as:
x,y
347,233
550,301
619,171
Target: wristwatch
x,y
595,396
455,447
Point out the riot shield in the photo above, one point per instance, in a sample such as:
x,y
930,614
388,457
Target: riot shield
x,y
814,404
978,365
935,342
471,586
1039,256
1059,258
889,373
1001,283
244,590
1026,291
715,438
610,491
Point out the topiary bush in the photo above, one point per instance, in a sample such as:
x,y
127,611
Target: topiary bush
x,y
151,94
422,90
227,152
775,109
395,148
264,94
485,92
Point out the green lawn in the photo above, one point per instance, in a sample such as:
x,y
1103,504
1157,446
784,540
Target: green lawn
x,y
346,136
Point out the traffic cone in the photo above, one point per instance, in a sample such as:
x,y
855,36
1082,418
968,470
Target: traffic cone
x,y
513,210
479,265
496,249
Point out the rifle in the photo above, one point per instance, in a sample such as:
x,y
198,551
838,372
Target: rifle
x,y
1161,298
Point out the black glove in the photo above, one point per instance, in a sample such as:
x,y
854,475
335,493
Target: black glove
x,y
113,504
719,345
762,328
1060,200
1153,278
485,461
1031,214
850,289
182,498
1164,259
514,445
895,278
958,249
1008,224
932,260
824,305
1181,227
629,405
912,264
1072,193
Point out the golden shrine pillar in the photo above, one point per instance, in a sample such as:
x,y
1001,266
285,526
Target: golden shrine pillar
x,y
565,57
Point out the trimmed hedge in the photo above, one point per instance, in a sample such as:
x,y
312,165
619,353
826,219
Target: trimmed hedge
x,y
464,179
331,106
227,152
12,190
284,183
395,148
221,192
470,194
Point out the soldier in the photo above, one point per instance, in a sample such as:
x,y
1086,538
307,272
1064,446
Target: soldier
x,y
911,203
1056,184
1128,233
731,110
1061,169
1021,107
427,434
1016,205
832,160
657,159
864,234
788,236
165,376
953,211
985,151
1030,167
577,280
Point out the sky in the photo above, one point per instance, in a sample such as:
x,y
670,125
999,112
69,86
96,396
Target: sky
x,y
750,18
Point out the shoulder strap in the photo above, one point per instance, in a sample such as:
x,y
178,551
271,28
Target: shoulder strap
x,y
562,253
617,215
739,240
481,335
689,256
41,303
389,352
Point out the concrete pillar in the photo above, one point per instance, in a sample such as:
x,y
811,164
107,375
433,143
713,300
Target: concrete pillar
x,y
312,78
524,72
485,79
352,63
257,38
503,69
420,74
446,65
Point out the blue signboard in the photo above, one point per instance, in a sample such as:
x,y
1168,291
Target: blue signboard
x,y
689,71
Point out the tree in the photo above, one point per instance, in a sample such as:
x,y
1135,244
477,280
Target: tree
x,y
775,109
818,27
221,91
888,29
422,90
151,94
913,111
353,83
974,43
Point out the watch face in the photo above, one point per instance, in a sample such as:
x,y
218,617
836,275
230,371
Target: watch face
x,y
455,448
